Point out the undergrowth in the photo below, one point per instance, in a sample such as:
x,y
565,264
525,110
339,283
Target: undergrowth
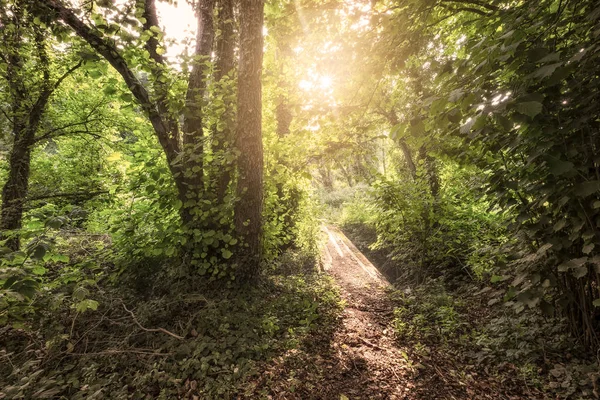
x,y
493,339
145,343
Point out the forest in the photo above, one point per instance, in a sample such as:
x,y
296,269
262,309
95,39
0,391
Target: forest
x,y
300,199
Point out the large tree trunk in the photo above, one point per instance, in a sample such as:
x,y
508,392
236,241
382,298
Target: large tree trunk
x,y
192,127
15,189
248,210
25,117
223,138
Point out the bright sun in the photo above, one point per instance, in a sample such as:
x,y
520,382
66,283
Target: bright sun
x,y
315,81
179,22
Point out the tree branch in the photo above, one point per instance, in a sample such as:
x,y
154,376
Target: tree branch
x,y
66,133
49,133
149,329
109,51
158,69
83,194
465,9
478,3
66,74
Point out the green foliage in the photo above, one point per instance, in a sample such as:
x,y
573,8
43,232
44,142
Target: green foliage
x,y
482,334
42,278
227,337
516,100
428,235
428,314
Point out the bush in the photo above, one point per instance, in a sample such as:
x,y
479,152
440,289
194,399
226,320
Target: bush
x,y
431,235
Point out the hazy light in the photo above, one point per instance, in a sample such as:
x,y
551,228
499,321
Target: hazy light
x,y
305,85
315,80
325,82
178,22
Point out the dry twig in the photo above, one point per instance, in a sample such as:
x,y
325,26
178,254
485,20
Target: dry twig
x,y
151,329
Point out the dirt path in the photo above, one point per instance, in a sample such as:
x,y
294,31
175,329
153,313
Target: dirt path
x,y
360,357
373,366
371,363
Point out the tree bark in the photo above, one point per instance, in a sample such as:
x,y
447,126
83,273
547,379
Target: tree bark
x,y
284,117
15,189
410,164
430,171
408,157
25,118
248,210
193,145
223,139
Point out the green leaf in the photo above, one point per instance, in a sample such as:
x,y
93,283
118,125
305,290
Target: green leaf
x,y
559,167
552,57
579,272
95,73
110,90
397,131
80,293
537,53
587,188
596,303
506,123
560,225
87,304
55,222
417,127
572,264
529,108
39,251
546,70
39,270
454,115
26,288
226,253
560,75
127,97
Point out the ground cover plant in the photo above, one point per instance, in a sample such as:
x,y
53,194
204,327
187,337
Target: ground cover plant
x,y
329,199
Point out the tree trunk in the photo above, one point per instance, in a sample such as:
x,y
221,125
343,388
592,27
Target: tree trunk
x,y
284,116
326,178
223,139
25,119
410,164
15,189
408,158
430,171
192,127
248,210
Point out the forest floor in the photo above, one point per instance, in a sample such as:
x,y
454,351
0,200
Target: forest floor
x,y
362,357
